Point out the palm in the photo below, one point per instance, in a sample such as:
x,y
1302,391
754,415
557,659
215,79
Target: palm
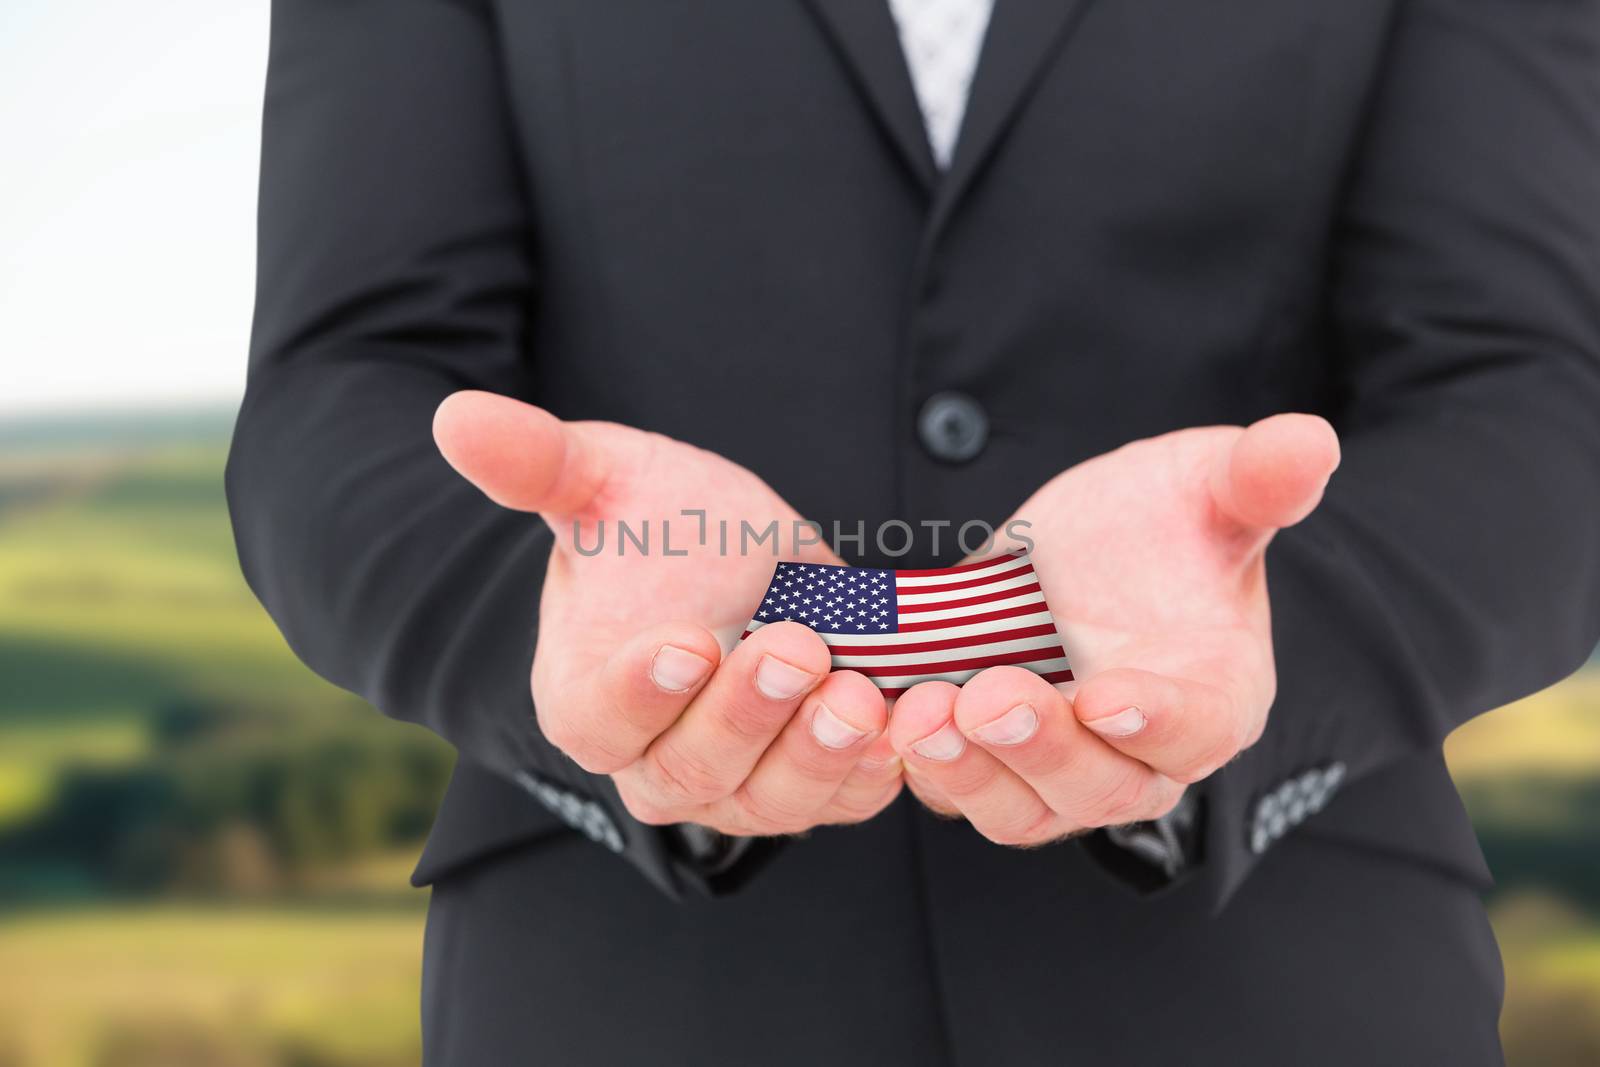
x,y
1153,560
1144,571
593,599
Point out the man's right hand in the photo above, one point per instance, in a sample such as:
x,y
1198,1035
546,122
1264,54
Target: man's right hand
x,y
628,677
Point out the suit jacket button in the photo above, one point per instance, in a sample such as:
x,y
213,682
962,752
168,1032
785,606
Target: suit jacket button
x,y
953,427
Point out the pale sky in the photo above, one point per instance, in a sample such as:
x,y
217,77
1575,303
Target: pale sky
x,y
128,147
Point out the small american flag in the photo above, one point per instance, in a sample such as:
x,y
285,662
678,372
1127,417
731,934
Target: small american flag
x,y
903,627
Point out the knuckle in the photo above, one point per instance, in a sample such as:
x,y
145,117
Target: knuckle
x,y
934,802
814,766
582,738
974,781
1161,803
1207,752
1027,828
746,823
1192,770
601,759
1121,800
850,812
1070,757
567,735
778,812
1251,730
745,724
1206,763
854,809
597,759
684,775
645,810
557,730
1247,718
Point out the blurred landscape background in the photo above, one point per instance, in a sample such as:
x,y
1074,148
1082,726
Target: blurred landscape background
x,y
204,849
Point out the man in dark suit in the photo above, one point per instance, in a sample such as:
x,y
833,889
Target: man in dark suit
x,y
746,278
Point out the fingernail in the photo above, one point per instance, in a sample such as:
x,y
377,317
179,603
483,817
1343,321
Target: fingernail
x,y
1012,728
1124,723
676,669
943,745
778,680
832,731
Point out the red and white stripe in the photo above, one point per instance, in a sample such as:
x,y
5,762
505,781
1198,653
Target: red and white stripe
x,y
953,623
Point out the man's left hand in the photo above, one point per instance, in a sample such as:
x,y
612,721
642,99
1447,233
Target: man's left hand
x,y
1153,557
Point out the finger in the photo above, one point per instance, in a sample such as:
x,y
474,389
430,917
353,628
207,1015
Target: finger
x,y
1182,728
998,803
711,749
929,795
1273,473
1028,726
521,456
871,785
920,787
607,721
813,756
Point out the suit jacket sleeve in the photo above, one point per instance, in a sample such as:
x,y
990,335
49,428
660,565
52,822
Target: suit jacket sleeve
x,y
394,268
1455,563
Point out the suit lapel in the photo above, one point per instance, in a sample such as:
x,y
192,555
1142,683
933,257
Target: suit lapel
x,y
1023,35
864,33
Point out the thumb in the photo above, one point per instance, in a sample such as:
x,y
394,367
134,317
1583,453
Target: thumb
x,y
1274,472
521,456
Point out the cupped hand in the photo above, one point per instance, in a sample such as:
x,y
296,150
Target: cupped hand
x,y
1153,560
629,678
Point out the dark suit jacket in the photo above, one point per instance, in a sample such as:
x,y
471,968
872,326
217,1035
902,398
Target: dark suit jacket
x,y
720,220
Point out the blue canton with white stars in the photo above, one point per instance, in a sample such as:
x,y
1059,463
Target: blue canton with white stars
x,y
831,600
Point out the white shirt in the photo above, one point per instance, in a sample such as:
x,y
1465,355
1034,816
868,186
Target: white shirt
x,y
941,40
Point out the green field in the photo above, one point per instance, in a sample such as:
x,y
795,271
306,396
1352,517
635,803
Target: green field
x,y
210,986
203,847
